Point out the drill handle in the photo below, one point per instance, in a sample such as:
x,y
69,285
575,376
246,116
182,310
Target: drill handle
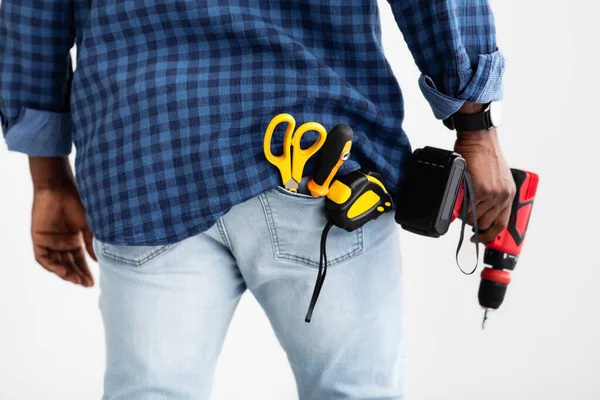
x,y
503,252
511,239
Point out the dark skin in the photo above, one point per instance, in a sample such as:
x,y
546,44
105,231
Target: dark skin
x,y
492,180
59,229
61,236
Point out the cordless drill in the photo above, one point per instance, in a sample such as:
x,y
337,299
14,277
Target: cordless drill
x,y
432,196
502,254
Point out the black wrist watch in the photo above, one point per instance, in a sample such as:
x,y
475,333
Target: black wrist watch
x,y
487,119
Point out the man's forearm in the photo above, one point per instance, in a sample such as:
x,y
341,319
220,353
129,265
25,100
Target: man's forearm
x,y
47,172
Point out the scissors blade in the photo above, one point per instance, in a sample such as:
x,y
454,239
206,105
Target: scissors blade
x,y
291,185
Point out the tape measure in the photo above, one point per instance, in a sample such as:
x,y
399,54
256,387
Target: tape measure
x,y
352,201
357,198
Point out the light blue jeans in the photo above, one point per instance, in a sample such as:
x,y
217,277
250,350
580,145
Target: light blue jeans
x,y
166,309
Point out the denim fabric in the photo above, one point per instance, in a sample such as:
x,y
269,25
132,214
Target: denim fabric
x,y
171,98
167,308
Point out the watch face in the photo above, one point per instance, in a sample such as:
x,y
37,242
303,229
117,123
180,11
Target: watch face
x,y
496,113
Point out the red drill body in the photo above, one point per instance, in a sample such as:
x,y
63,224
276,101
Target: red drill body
x,y
503,252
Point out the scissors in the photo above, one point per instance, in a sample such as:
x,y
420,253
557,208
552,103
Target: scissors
x,y
291,163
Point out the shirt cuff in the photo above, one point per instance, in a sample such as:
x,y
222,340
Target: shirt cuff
x,y
483,86
41,133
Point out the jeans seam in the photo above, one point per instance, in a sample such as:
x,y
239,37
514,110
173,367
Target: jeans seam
x,y
270,225
223,232
135,262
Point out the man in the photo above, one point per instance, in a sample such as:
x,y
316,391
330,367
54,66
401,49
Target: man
x,y
167,110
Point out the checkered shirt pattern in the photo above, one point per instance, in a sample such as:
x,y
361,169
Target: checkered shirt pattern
x,y
170,99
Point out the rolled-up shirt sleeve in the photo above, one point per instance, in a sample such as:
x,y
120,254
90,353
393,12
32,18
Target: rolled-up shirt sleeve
x,y
453,43
35,75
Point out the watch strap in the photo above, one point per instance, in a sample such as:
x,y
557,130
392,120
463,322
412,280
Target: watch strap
x,y
470,122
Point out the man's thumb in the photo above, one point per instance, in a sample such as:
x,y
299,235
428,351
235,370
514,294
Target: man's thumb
x,y
88,238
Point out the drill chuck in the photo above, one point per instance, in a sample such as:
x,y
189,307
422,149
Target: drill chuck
x,y
500,259
492,288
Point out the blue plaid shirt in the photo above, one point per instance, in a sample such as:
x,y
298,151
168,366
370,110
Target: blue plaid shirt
x,y
170,99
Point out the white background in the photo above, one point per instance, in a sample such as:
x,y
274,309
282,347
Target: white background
x,y
542,343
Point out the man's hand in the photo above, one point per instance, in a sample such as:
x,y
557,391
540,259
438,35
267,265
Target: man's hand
x,y
492,180
58,225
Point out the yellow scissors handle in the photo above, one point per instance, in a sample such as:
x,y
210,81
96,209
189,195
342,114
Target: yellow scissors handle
x,y
300,156
284,161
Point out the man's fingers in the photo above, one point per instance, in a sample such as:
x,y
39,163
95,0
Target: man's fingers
x,y
80,264
491,204
60,270
497,226
69,262
88,238
71,275
482,207
485,221
52,266
56,259
53,262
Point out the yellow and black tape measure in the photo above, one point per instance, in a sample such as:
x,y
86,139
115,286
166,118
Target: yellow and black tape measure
x,y
357,198
352,201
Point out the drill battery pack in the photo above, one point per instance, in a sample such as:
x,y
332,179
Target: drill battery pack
x,y
428,195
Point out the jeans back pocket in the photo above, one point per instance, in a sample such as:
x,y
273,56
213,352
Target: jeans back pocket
x,y
296,222
134,256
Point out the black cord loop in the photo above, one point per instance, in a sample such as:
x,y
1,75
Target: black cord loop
x,y
321,273
469,197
